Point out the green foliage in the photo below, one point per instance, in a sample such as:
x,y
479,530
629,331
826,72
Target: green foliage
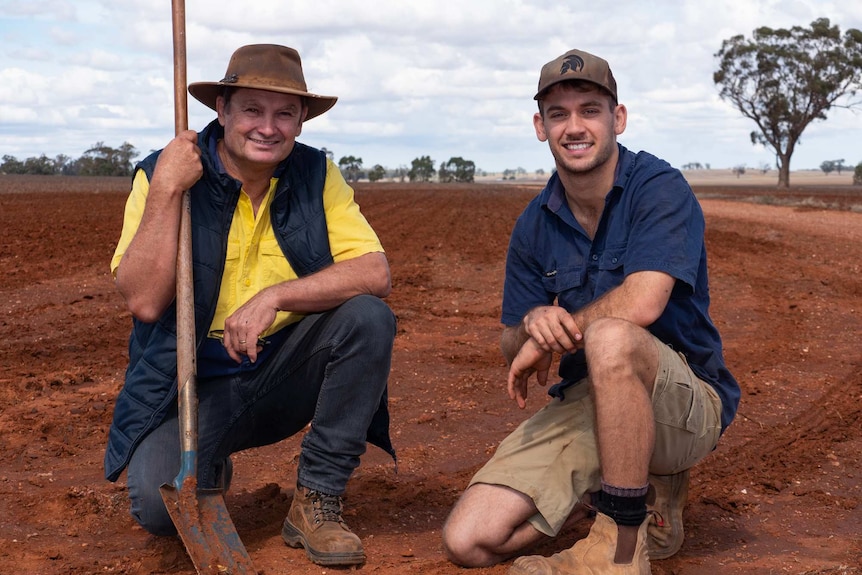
x,y
11,165
829,166
351,167
692,166
37,166
457,169
785,79
41,166
102,160
857,175
421,169
377,173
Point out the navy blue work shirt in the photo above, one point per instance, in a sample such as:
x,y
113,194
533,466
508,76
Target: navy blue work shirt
x,y
651,222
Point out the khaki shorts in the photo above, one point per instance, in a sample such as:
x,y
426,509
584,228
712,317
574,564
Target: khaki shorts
x,y
553,456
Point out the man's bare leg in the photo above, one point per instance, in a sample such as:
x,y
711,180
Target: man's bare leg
x,y
489,524
623,360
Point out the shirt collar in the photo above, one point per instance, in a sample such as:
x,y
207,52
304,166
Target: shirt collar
x,y
213,151
555,196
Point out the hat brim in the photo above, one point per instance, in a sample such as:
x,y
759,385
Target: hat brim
x,y
207,92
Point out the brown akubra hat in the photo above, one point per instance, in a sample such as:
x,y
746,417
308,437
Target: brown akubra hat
x,y
264,67
577,65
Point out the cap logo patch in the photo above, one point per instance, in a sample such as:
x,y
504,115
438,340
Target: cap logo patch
x,y
572,62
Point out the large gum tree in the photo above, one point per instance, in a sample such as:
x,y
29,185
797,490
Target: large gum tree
x,y
786,79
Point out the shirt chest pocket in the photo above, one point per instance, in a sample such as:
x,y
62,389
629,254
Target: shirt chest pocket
x,y
233,251
565,286
232,268
562,279
611,259
274,265
610,266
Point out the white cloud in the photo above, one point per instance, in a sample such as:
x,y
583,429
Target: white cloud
x,y
449,78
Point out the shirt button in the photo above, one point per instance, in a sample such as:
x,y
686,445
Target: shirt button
x,y
615,260
247,282
595,257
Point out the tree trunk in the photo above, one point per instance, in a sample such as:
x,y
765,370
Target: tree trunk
x,y
783,171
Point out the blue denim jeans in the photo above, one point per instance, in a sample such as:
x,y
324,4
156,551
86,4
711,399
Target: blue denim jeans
x,y
331,371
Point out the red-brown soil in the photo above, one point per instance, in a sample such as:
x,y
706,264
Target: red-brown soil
x,y
780,495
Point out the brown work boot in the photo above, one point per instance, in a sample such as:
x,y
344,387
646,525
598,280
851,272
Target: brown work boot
x,y
314,522
593,555
666,499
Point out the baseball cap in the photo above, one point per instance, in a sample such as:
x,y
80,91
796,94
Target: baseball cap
x,y
577,65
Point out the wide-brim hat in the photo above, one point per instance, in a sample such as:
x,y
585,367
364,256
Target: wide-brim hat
x,y
577,65
264,67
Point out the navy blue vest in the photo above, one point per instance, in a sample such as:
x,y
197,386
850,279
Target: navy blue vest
x,y
299,223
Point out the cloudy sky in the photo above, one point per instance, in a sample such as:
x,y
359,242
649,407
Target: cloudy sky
x,y
444,78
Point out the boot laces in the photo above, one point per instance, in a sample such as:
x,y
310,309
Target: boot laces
x,y
326,507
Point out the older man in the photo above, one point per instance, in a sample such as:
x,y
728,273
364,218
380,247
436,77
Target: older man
x,y
289,318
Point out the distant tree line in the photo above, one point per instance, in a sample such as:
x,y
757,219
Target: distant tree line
x,y
695,166
827,166
456,169
832,166
421,169
100,160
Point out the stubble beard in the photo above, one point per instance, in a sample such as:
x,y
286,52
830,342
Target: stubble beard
x,y
578,167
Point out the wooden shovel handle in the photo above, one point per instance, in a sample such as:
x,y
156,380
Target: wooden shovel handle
x,y
186,369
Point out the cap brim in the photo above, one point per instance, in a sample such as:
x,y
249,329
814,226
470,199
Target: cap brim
x,y
540,94
207,92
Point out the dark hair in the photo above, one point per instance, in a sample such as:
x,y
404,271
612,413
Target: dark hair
x,y
227,93
580,86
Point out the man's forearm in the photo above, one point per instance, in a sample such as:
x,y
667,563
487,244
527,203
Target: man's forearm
x,y
332,286
640,299
511,340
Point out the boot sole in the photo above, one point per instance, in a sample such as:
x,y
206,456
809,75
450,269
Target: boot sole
x,y
293,537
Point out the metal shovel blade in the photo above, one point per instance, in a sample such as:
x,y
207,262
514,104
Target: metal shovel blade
x,y
206,529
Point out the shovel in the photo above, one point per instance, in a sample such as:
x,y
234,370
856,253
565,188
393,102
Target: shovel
x,y
200,515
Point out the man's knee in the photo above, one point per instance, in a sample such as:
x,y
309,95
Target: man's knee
x,y
153,463
615,344
475,534
365,322
610,331
459,544
371,314
149,510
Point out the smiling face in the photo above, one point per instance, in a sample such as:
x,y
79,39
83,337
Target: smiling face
x,y
260,127
580,124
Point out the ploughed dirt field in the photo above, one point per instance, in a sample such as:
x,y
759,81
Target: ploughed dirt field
x,y
780,495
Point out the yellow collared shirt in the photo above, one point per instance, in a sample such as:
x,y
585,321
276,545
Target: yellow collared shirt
x,y
254,259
